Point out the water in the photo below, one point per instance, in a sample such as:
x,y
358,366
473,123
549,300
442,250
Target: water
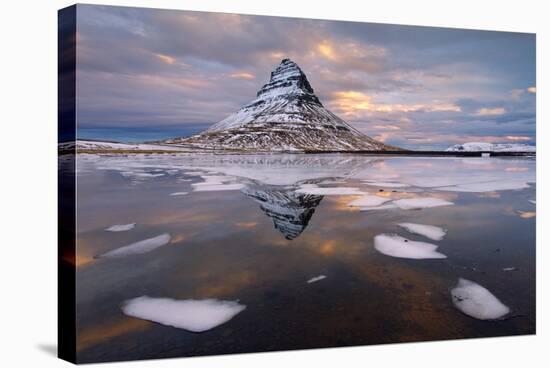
x,y
260,244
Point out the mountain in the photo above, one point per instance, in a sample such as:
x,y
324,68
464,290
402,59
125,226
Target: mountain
x,y
492,147
285,116
289,210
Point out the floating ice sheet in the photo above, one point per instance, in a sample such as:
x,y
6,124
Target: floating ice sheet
x,y
214,183
429,231
368,201
316,278
140,247
490,186
218,187
124,227
179,193
418,203
397,246
315,190
475,301
192,315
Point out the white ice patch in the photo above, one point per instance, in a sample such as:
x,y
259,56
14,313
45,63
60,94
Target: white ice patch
x,y
125,227
399,247
140,247
316,278
179,193
533,201
191,315
429,231
213,183
218,187
386,184
368,201
315,190
490,186
476,301
418,203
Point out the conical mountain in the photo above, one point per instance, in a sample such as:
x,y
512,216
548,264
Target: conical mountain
x,y
285,116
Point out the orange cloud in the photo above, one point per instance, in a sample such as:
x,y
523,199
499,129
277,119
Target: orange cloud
x,y
486,111
242,75
352,101
387,127
166,59
326,49
517,138
351,54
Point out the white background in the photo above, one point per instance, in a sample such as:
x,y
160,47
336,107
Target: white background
x,y
28,238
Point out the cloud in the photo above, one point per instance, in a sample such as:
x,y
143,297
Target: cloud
x,y
242,75
351,102
517,138
410,86
491,111
167,59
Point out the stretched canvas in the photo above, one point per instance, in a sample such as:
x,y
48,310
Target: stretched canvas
x,y
237,183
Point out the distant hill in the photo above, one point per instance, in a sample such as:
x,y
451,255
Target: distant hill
x,y
491,147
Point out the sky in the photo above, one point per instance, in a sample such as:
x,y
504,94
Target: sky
x,y
415,87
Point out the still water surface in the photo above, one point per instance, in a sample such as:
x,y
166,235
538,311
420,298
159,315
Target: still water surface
x,y
255,229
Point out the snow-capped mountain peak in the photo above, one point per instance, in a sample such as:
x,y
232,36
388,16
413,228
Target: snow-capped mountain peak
x,y
286,115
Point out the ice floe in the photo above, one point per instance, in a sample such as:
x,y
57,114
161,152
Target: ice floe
x,y
140,247
429,231
124,227
489,186
368,201
191,315
397,246
316,190
418,203
179,193
218,187
533,201
475,301
316,278
216,183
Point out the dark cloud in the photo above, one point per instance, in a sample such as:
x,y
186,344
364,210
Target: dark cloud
x,y
144,67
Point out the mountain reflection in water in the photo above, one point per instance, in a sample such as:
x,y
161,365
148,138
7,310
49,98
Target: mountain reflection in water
x,y
289,210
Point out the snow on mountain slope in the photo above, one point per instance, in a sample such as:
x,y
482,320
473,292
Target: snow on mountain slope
x,y
285,116
492,147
